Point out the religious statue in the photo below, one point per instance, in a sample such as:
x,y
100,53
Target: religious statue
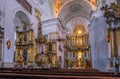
x,y
42,60
17,27
25,53
19,57
24,25
25,38
37,14
8,43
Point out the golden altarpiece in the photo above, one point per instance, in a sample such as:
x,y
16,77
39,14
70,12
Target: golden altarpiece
x,y
41,58
77,51
24,46
114,45
46,51
34,52
52,49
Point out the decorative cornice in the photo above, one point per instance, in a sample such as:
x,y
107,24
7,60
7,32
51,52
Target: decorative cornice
x,y
51,22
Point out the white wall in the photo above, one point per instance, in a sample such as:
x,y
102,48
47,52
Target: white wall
x,y
2,15
11,8
45,8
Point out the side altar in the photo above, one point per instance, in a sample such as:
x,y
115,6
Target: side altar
x,y
34,52
24,46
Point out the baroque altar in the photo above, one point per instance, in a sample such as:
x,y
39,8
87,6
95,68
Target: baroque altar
x,y
24,46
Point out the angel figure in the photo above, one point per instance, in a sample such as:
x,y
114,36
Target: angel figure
x,y
37,14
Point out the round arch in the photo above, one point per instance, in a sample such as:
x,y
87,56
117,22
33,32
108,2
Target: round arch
x,y
20,15
77,22
75,8
17,11
23,11
92,6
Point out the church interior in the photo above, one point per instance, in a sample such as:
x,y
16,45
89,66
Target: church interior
x,y
69,37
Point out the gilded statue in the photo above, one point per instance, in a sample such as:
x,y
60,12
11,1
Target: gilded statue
x,y
37,14
24,25
42,60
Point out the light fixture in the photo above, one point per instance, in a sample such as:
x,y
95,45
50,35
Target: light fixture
x,y
8,43
79,32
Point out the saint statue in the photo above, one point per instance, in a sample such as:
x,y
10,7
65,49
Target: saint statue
x,y
25,54
25,38
24,25
37,14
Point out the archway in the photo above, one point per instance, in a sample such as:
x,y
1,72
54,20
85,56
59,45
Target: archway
x,y
75,19
21,17
75,8
24,40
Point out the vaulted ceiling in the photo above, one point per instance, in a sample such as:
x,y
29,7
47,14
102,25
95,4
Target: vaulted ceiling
x,y
71,13
75,12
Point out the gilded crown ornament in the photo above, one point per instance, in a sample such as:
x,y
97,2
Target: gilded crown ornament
x,y
113,9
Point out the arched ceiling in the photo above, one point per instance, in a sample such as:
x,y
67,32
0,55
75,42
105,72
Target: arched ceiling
x,y
68,11
58,4
75,11
76,22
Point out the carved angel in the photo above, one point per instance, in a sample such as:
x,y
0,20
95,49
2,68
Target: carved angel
x,y
37,14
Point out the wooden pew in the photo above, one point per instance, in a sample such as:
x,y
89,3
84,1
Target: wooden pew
x,y
38,73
